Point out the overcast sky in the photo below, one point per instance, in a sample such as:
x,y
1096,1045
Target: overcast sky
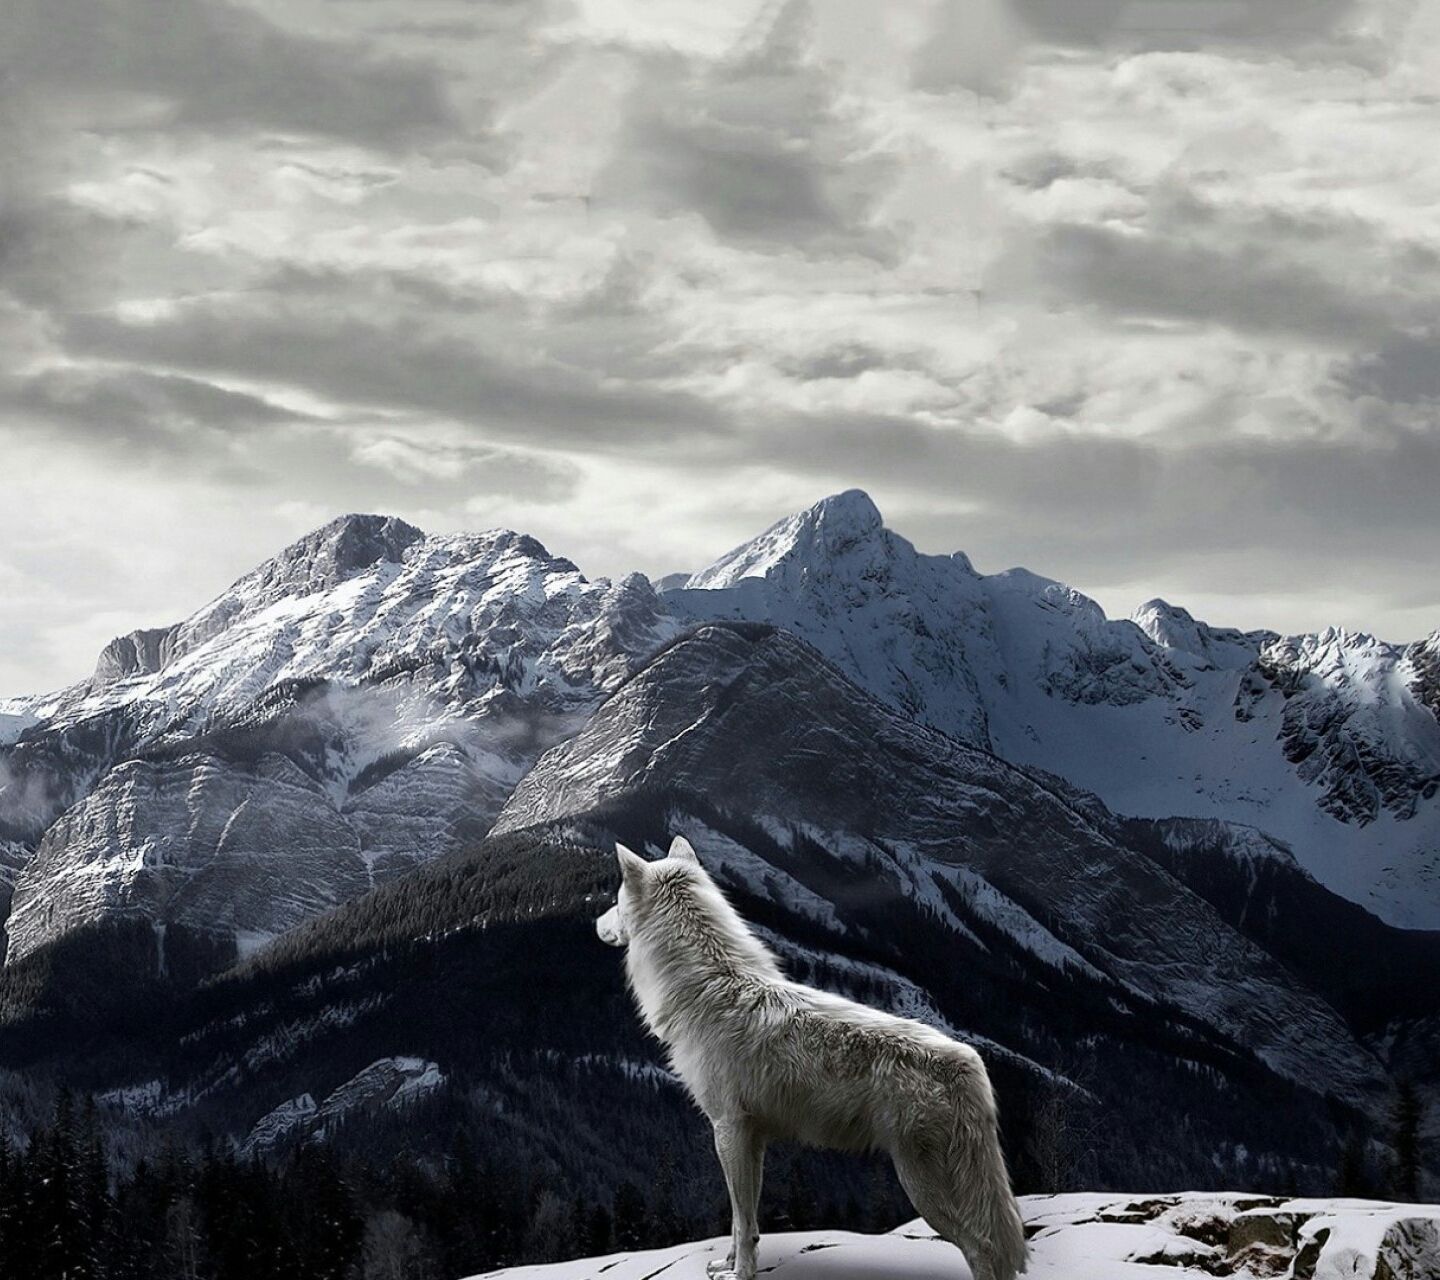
x,y
1141,294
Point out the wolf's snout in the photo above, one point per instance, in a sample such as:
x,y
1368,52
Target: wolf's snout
x,y
608,927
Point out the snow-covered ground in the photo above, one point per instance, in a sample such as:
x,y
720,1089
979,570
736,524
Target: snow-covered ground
x,y
1100,1236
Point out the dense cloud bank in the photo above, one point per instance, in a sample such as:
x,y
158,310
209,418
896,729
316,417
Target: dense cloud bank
x,y
1141,294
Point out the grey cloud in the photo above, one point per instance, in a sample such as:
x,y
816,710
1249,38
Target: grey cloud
x,y
136,410
56,255
1071,21
1181,24
399,467
1404,369
973,44
408,365
606,325
222,66
453,472
182,426
1253,286
845,360
1037,170
757,145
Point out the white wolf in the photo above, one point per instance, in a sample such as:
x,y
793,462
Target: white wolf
x,y
766,1058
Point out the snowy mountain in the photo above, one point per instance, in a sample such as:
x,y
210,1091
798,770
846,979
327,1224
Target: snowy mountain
x,y
747,721
370,697
1091,1237
1328,743
355,706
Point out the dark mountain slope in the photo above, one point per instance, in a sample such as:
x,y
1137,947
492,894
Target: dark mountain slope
x,y
754,721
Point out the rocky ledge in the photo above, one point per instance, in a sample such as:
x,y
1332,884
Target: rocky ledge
x,y
1094,1236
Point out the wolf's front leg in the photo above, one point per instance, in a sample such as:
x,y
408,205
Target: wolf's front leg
x,y
742,1157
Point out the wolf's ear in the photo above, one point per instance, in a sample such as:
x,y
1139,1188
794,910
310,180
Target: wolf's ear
x,y
682,851
632,865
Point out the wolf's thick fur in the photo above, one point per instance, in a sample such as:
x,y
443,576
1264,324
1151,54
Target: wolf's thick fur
x,y
767,1058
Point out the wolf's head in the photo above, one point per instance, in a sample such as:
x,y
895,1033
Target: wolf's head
x,y
614,926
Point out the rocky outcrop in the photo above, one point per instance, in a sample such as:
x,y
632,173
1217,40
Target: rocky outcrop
x,y
1089,1235
1351,724
141,653
390,1083
221,850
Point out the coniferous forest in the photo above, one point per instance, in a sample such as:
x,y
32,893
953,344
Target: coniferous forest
x,y
333,1212
554,1131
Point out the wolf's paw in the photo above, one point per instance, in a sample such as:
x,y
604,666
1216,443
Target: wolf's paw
x,y
721,1269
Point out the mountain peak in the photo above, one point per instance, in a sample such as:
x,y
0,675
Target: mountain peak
x,y
1165,623
1177,629
337,551
821,533
853,510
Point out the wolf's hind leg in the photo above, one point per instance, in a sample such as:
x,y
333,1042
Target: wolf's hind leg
x,y
927,1183
742,1157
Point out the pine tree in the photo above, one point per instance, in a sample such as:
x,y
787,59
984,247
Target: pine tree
x,y
664,1219
9,1192
800,1199
325,1218
91,1194
183,1247
631,1219
1405,1137
59,1230
599,1231
1351,1177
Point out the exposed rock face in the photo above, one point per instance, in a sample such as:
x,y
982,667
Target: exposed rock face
x,y
753,713
1424,659
195,842
140,653
393,1083
241,852
1350,724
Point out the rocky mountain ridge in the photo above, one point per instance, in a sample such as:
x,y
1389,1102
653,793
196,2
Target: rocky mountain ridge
x,y
1329,743
370,698
353,707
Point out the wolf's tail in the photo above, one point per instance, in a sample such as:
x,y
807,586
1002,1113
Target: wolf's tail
x,y
961,1186
979,1176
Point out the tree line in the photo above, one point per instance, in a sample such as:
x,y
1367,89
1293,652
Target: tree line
x,y
331,1211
